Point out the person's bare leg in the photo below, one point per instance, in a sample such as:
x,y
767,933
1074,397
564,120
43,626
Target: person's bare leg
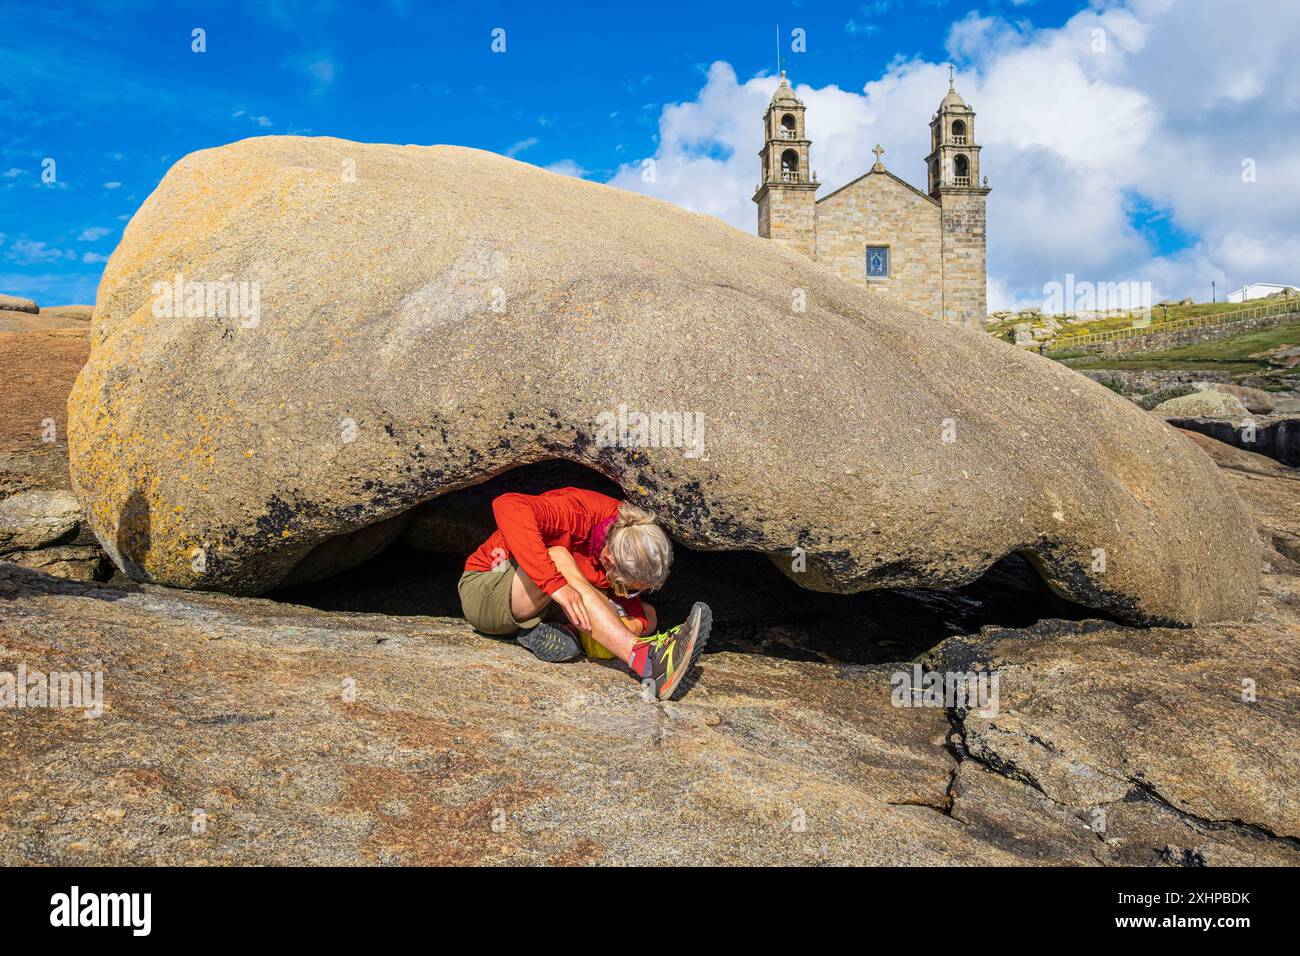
x,y
527,600
607,628
665,663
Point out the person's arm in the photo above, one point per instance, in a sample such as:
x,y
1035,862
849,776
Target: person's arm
x,y
517,522
568,568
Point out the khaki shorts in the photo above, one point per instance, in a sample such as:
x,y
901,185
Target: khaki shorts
x,y
485,600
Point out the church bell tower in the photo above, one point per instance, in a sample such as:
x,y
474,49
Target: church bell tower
x,y
787,194
954,178
954,160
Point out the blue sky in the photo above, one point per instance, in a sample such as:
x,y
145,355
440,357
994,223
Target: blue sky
x,y
113,93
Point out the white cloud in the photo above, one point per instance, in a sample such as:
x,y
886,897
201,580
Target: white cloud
x,y
567,167
252,118
30,252
112,185
14,172
93,257
93,234
973,32
706,158
860,28
1132,104
522,145
860,24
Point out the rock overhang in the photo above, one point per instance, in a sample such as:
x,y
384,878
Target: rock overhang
x,y
449,314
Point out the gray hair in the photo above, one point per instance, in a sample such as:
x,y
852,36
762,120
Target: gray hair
x,y
639,550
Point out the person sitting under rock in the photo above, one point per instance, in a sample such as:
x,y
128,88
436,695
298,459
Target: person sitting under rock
x,y
557,555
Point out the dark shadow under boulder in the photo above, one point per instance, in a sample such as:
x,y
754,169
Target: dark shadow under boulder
x,y
757,609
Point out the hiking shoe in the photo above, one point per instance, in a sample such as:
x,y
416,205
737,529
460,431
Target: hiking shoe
x,y
672,653
552,643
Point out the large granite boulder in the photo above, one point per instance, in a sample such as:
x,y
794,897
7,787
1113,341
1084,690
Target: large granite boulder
x,y
414,320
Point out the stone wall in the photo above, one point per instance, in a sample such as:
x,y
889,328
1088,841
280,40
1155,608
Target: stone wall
x,y
879,210
1158,341
789,215
1152,379
965,283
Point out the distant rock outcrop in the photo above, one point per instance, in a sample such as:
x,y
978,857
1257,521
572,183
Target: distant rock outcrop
x,y
43,320
1255,399
35,519
39,530
13,303
301,339
1207,404
1283,356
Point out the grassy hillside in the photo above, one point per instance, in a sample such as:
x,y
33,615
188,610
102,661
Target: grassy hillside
x,y
1228,355
1115,322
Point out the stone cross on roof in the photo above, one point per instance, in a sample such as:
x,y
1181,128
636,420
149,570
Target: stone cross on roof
x,y
879,151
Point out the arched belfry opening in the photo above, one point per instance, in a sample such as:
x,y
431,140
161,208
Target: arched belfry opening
x,y
790,163
961,170
959,132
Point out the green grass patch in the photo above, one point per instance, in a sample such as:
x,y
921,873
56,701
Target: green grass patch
x,y
1159,315
1225,355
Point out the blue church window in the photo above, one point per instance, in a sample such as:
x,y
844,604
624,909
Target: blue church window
x,y
877,262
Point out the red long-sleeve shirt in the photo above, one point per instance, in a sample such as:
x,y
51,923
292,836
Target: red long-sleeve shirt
x,y
564,517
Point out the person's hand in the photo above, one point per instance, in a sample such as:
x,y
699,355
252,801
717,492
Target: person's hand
x,y
570,598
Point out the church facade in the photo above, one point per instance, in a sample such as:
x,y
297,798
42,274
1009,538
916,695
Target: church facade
x,y
924,249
